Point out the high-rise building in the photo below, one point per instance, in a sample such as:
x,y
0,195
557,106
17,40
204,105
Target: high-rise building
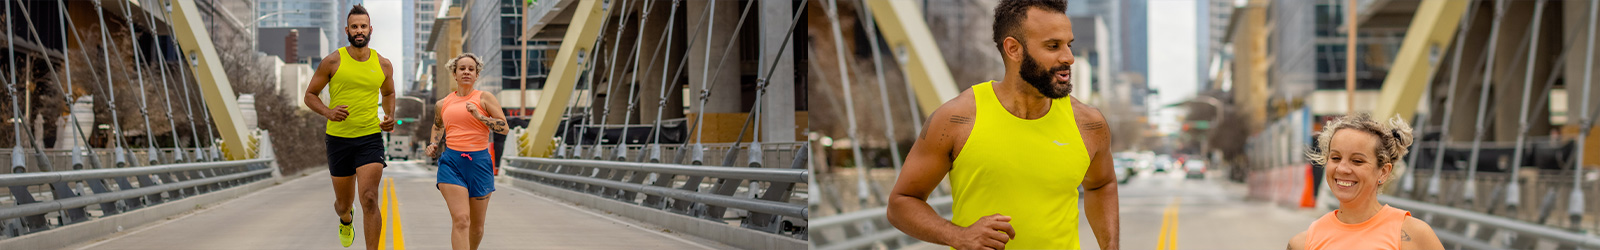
x,y
408,62
492,28
425,11
1330,65
1133,26
1291,47
1126,47
304,13
1213,26
481,23
239,9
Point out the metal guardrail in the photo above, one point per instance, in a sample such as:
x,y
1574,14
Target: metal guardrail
x,y
760,174
49,177
779,208
867,227
72,203
1543,196
678,188
1521,229
97,158
55,205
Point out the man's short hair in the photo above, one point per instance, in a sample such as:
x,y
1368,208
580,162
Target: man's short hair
x,y
357,10
1008,16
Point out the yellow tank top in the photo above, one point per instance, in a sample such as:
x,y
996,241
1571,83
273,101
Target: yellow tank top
x,y
356,83
1027,169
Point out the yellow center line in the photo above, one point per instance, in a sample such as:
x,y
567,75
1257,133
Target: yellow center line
x,y
399,230
1173,232
1169,227
383,208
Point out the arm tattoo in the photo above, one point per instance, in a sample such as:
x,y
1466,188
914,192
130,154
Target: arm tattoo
x,y
960,119
438,134
438,121
495,124
1404,236
1094,126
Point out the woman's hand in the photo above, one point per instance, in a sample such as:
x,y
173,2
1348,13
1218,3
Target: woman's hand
x,y
495,125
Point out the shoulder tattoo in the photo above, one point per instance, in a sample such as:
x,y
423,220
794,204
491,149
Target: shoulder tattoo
x,y
1097,125
960,119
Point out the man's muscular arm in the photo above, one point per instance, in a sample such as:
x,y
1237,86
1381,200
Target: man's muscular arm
x,y
1100,183
928,163
313,92
386,90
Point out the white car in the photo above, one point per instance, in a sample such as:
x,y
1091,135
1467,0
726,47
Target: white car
x,y
1124,169
1196,168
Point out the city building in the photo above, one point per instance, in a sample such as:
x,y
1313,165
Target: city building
x,y
308,44
323,14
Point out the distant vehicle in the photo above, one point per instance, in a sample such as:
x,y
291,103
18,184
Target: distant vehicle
x,y
1196,169
1161,163
1147,159
1125,169
397,147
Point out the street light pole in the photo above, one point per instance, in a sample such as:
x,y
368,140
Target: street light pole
x,y
1350,57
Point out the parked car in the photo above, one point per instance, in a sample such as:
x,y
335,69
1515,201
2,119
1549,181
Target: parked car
x,y
1125,170
1196,168
1162,163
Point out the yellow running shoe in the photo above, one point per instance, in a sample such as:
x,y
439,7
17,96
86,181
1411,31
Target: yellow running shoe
x,y
346,233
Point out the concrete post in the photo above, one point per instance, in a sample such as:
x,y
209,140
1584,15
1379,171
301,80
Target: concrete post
x,y
617,72
777,116
650,78
1471,72
724,86
1509,71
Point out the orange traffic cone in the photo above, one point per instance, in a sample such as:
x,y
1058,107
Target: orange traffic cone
x,y
1307,199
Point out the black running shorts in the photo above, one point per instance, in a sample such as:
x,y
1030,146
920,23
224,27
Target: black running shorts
x,y
347,154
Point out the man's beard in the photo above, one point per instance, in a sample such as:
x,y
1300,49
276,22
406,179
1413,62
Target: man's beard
x,y
364,40
1041,79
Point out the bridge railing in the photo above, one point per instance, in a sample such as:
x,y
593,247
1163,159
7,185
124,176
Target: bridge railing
x,y
1476,230
867,228
42,201
769,197
64,160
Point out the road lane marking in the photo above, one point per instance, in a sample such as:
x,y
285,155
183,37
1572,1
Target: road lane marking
x,y
1168,238
1173,232
383,210
394,205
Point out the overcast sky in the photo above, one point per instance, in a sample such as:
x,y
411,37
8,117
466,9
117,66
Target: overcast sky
x,y
387,35
1171,59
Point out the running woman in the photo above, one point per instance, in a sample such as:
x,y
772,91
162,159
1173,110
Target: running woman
x,y
356,76
1359,157
466,162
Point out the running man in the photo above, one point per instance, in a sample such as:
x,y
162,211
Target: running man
x,y
356,76
465,177
1016,151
